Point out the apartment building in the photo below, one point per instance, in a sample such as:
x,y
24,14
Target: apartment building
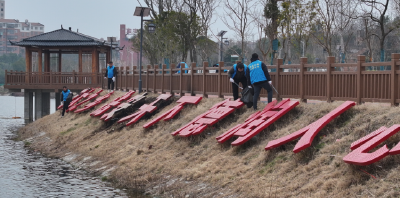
x,y
2,9
13,30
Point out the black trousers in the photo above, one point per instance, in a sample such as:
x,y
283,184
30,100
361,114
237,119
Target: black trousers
x,y
257,90
235,88
65,107
110,83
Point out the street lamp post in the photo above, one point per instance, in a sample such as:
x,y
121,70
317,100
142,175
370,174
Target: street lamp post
x,y
221,34
142,12
111,40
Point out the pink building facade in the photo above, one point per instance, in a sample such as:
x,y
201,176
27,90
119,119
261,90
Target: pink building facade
x,y
128,56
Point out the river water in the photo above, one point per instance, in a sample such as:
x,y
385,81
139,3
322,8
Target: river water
x,y
25,173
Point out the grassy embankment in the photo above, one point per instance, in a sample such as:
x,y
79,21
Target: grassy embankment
x,y
159,163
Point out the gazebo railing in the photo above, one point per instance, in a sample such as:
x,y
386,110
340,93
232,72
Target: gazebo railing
x,y
52,78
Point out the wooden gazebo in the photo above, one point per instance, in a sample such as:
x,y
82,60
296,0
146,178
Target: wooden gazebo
x,y
44,69
45,72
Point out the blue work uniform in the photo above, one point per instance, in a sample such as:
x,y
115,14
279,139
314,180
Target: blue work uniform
x,y
179,66
256,72
234,70
110,71
65,95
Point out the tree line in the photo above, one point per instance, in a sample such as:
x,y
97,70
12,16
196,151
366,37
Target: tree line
x,y
11,61
274,29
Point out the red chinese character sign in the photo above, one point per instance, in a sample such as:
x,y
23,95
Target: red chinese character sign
x,y
172,112
94,103
84,92
360,156
120,108
308,133
88,98
258,122
212,116
144,109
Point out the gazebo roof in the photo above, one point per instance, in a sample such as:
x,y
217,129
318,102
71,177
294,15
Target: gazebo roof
x,y
61,38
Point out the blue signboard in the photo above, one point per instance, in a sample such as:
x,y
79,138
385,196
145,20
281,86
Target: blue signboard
x,y
275,44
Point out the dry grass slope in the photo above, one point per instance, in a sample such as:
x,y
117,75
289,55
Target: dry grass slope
x,y
201,167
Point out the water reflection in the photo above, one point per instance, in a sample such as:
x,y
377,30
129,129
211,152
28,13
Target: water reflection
x,y
26,173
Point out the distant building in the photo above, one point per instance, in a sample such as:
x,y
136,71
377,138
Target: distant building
x,y
128,56
13,30
2,9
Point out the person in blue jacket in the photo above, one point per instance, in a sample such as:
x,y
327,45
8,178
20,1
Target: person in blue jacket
x,y
111,72
258,76
237,74
64,95
179,66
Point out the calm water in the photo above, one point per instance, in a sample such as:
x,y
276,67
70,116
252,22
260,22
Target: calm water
x,y
25,173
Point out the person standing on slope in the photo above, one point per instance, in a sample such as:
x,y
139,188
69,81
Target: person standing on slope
x,y
111,72
65,99
258,76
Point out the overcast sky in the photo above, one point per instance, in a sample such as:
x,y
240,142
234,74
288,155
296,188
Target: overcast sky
x,y
97,18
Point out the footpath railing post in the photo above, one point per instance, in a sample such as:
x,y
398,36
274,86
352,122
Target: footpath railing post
x,y
394,80
278,73
205,65
170,79
192,67
162,77
126,78
220,64
303,61
360,61
133,77
330,60
182,65
154,78
147,77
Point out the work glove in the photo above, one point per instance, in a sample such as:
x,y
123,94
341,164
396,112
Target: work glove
x,y
270,82
105,77
249,87
113,78
231,79
62,102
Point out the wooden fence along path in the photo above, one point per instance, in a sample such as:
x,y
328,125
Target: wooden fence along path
x,y
329,81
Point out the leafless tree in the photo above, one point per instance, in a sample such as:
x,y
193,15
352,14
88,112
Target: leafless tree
x,y
377,11
237,19
327,23
206,9
261,24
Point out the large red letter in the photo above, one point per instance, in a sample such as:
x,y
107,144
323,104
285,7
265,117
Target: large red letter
x,y
360,155
258,122
308,133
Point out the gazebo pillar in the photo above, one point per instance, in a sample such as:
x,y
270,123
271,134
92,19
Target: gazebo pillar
x,y
59,60
47,61
80,64
28,62
108,56
94,65
80,60
40,61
